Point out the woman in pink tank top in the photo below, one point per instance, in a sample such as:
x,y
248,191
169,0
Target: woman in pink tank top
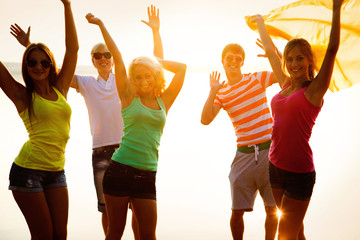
x,y
294,109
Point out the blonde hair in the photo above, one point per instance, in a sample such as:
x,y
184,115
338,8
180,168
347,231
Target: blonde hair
x,y
155,68
98,46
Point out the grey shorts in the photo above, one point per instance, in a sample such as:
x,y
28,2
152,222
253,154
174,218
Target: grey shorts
x,y
100,160
247,177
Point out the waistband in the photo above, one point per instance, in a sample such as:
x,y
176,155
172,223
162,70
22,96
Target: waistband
x,y
106,147
251,148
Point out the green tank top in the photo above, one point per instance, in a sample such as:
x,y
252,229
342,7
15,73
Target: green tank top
x,y
143,128
48,134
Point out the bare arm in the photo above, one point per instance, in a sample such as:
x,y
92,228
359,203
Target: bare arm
x,y
154,24
67,71
271,51
14,90
170,94
320,84
122,82
211,110
22,36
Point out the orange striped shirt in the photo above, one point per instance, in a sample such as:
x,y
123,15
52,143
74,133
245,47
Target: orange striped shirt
x,y
247,106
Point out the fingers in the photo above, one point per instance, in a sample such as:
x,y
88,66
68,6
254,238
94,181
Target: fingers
x,y
153,11
16,29
215,76
90,17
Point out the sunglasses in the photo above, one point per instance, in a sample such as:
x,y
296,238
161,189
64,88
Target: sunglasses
x,y
32,63
98,56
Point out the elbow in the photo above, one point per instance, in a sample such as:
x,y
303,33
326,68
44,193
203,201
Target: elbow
x,y
205,121
183,68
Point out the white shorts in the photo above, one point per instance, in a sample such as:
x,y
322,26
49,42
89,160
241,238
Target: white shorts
x,y
247,177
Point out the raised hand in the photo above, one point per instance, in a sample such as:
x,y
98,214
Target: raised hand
x,y
154,20
92,19
22,37
214,81
259,43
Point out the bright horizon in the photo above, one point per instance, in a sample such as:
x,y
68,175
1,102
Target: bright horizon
x,y
193,188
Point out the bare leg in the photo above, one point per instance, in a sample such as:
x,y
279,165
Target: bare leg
x,y
271,223
145,211
301,235
135,227
116,208
58,202
237,224
104,222
46,213
291,221
36,212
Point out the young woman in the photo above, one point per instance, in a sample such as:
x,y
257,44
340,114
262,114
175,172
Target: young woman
x,y
37,178
130,176
295,109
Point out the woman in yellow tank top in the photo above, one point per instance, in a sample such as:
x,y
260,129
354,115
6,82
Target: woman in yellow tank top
x,y
37,178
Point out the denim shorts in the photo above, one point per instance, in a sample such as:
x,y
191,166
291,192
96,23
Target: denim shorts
x,y
100,160
297,186
32,180
121,181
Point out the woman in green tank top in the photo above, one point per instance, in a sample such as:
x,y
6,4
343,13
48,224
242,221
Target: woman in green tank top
x,y
130,176
37,178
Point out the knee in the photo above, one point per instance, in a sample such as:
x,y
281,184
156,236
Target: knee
x,y
60,235
237,215
271,211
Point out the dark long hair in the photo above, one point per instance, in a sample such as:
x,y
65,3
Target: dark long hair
x,y
29,83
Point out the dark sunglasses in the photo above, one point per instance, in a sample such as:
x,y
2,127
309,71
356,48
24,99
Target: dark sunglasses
x,y
32,63
98,56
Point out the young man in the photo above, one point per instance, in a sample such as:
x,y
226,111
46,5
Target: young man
x,y
243,96
103,104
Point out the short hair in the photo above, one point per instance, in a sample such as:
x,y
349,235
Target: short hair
x,y
233,47
305,49
154,67
98,46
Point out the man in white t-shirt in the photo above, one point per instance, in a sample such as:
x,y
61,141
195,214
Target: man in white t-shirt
x,y
104,108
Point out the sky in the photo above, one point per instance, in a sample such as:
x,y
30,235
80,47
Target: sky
x,y
192,181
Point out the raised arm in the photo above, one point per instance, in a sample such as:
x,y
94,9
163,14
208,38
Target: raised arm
x,y
320,84
170,94
122,82
154,24
20,35
67,71
14,90
211,110
270,50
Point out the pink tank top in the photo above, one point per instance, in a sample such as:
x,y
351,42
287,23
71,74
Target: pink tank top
x,y
294,117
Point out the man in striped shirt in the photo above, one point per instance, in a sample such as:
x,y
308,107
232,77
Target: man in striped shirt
x,y
243,97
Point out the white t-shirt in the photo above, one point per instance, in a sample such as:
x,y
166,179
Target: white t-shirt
x,y
104,108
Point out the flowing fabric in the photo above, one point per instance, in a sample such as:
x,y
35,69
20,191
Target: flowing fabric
x,y
311,20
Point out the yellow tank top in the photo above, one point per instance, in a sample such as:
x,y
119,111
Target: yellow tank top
x,y
48,134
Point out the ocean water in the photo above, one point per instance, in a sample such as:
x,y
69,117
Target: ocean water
x,y
194,161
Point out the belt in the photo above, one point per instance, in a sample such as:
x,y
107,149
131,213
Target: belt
x,y
254,148
99,149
